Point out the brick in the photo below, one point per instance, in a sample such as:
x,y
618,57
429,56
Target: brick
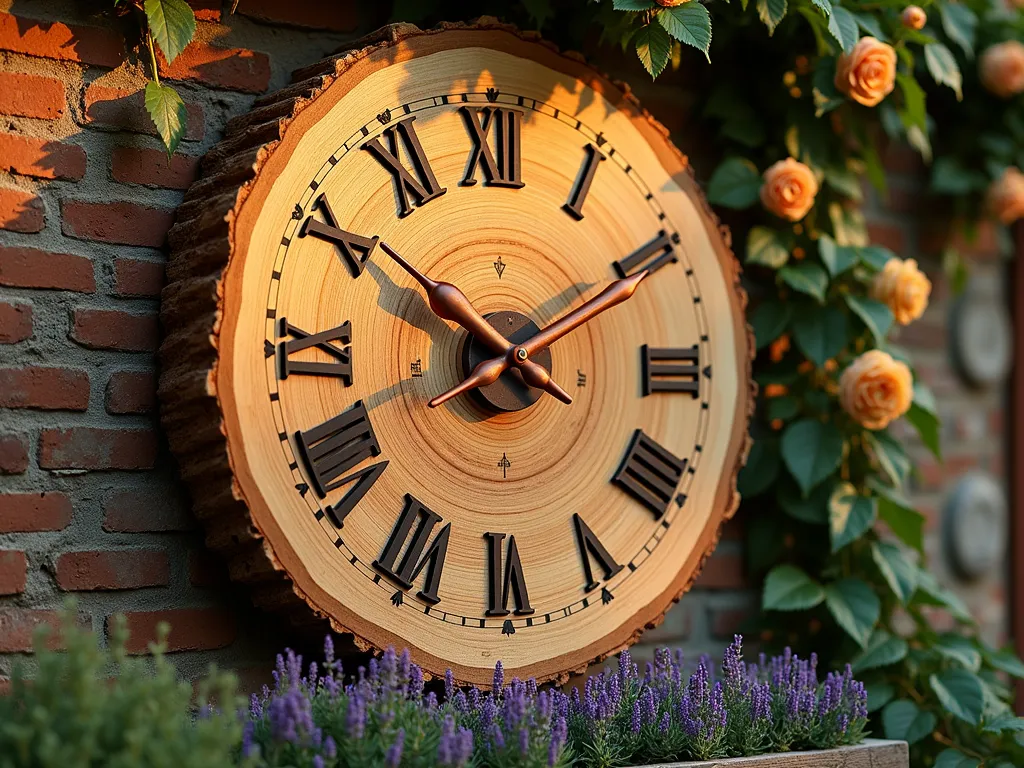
x,y
979,241
93,448
312,14
192,629
112,329
722,571
933,475
233,69
122,223
723,623
34,512
15,323
148,511
131,392
134,277
13,458
152,168
31,96
21,211
206,570
41,158
891,236
13,572
18,625
125,110
64,42
48,389
33,268
112,570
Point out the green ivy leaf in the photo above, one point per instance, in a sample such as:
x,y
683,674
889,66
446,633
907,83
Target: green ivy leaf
x,y
771,13
922,416
821,333
883,650
903,721
168,113
844,181
943,68
654,47
914,112
1003,723
825,6
765,247
784,408
959,22
879,694
761,469
898,572
787,588
876,315
850,514
1005,661
951,176
806,277
769,320
172,24
930,592
954,758
736,183
855,607
875,256
812,509
890,456
812,450
961,694
843,27
826,96
690,24
958,649
906,523
632,5
869,23
836,258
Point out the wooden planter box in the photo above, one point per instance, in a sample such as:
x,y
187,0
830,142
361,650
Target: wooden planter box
x,y
872,753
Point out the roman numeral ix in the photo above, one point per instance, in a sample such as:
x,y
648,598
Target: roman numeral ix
x,y
653,256
419,555
506,171
514,583
342,365
423,185
355,249
336,447
574,207
590,546
649,473
670,369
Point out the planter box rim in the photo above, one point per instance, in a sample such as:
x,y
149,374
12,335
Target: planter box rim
x,y
870,753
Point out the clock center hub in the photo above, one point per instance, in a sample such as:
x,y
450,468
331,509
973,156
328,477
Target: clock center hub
x,y
509,393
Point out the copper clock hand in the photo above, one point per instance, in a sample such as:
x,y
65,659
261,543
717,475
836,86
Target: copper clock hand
x,y
448,302
613,295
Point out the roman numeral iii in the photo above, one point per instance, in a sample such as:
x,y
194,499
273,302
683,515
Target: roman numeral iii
x,y
653,256
340,368
590,546
506,171
337,446
354,249
513,584
670,369
649,473
423,185
421,553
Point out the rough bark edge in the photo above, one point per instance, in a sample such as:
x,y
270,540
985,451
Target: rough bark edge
x,y
192,303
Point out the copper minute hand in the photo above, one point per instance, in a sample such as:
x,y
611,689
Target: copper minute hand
x,y
489,370
448,302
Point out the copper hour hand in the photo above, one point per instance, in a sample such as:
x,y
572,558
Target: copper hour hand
x,y
449,303
489,370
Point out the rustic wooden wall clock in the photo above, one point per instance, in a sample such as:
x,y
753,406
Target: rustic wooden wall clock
x,y
319,382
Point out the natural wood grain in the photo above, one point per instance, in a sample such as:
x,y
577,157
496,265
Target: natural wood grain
x,y
872,753
214,392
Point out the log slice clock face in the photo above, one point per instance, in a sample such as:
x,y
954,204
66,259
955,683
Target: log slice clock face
x,y
324,272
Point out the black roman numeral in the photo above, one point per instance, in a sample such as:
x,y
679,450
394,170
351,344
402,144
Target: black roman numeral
x,y
419,554
423,186
337,446
652,257
589,543
579,194
670,369
649,473
364,480
507,170
514,583
354,249
341,368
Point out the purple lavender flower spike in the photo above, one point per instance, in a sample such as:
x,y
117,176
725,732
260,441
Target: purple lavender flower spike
x,y
394,754
665,723
330,748
318,761
355,719
634,723
449,685
499,678
524,741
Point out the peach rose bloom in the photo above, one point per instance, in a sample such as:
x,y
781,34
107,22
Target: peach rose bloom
x,y
788,189
671,3
1006,196
875,389
914,17
1002,69
868,73
903,288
